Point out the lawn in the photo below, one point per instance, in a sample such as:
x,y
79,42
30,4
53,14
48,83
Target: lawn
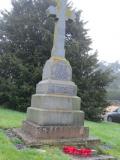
x,y
10,119
107,132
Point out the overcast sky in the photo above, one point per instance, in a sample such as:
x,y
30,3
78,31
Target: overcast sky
x,y
103,18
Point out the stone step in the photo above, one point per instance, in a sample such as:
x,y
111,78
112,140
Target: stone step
x,y
32,141
54,132
100,157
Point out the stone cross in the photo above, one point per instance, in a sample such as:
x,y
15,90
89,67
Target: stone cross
x,y
61,12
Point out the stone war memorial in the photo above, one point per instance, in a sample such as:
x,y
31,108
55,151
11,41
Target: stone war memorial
x,y
55,117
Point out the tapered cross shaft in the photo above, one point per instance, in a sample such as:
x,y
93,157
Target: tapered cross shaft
x,y
62,13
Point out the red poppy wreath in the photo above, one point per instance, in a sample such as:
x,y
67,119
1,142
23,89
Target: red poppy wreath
x,y
85,152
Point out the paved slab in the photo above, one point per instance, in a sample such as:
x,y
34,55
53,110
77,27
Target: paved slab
x,y
100,157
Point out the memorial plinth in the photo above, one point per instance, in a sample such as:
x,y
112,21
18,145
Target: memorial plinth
x,y
55,108
55,101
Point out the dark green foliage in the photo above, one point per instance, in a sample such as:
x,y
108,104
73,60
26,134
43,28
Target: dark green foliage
x,y
15,90
26,36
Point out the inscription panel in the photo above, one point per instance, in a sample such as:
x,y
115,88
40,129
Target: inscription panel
x,y
70,90
62,90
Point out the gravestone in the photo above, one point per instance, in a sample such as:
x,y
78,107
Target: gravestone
x,y
55,115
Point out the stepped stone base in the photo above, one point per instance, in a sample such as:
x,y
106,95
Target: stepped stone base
x,y
55,116
50,109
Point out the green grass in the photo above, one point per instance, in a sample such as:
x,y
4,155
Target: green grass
x,y
9,152
109,133
10,119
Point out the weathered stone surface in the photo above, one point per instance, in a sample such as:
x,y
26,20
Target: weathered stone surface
x,y
32,141
100,157
57,69
60,102
55,108
54,132
56,87
55,117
